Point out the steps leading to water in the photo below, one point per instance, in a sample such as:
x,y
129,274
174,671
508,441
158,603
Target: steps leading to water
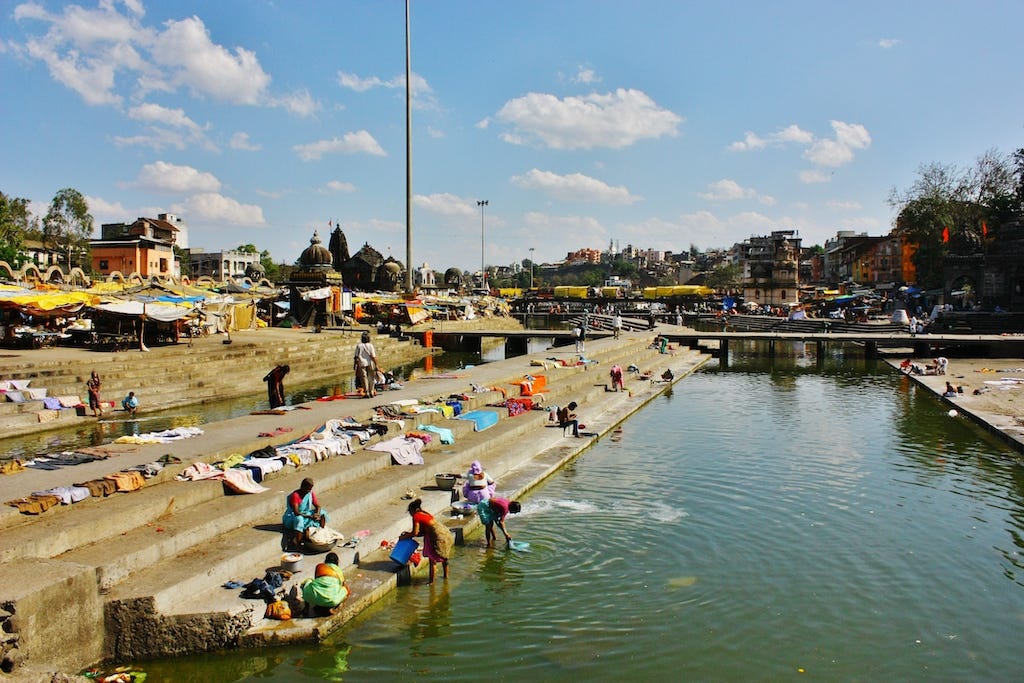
x,y
159,555
173,376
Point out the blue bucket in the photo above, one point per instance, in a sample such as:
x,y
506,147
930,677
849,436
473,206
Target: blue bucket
x,y
404,549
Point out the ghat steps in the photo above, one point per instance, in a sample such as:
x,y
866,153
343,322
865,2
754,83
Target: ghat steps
x,y
182,374
144,570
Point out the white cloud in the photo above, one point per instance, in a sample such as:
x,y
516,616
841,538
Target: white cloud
x,y
749,141
340,186
839,151
574,187
106,212
889,43
92,79
161,176
577,231
107,55
727,190
790,134
155,113
843,205
586,77
700,227
793,133
156,139
300,103
422,93
814,176
614,120
241,141
827,152
445,204
196,62
216,208
359,142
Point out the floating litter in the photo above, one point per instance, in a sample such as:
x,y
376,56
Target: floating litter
x,y
952,412
682,582
521,546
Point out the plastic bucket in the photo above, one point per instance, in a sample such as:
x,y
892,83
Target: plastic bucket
x,y
404,549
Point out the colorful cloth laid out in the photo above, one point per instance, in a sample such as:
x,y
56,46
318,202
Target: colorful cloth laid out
x,y
444,435
481,419
403,451
240,480
165,436
198,471
127,481
100,487
67,494
34,505
64,459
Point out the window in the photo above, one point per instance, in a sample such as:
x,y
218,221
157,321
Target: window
x,y
104,264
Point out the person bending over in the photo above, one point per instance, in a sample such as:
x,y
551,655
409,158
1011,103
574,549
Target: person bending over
x,y
493,511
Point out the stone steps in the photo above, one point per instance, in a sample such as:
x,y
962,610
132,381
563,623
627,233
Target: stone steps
x,y
247,533
158,556
173,376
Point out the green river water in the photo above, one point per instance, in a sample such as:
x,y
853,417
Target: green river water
x,y
787,521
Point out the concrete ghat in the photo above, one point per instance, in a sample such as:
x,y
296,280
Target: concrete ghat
x,y
1004,422
154,560
517,470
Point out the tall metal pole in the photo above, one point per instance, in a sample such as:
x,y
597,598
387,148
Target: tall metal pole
x,y
408,156
483,273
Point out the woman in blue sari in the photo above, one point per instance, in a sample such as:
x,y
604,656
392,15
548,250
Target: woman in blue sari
x,y
301,512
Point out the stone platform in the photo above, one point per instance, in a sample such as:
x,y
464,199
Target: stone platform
x,y
139,574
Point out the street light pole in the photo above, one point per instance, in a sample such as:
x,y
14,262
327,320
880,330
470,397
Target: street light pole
x,y
483,273
531,267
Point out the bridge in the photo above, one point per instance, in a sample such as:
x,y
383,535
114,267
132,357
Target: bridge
x,y
870,336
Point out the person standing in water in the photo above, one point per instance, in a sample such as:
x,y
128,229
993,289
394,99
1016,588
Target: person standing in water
x,y
438,540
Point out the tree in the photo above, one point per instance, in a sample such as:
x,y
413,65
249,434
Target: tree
x,y
247,249
270,269
949,210
16,221
725,277
68,226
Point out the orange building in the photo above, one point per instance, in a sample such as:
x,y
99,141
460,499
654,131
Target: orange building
x,y
143,247
145,257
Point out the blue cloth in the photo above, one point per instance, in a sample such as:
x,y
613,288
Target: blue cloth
x,y
444,435
297,522
481,419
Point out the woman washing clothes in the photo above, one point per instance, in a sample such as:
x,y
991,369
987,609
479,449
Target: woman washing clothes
x,y
478,486
302,511
438,540
325,592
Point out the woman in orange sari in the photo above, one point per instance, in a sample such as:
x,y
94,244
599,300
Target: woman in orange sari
x,y
438,540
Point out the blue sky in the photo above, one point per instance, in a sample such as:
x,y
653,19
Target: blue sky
x,y
657,124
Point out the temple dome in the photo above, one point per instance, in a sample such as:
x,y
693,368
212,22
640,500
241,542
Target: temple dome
x,y
316,254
